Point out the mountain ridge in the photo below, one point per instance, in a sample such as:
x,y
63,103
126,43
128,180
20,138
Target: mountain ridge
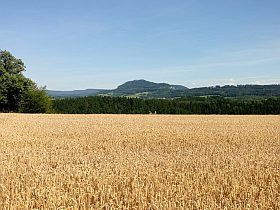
x,y
146,89
73,93
131,88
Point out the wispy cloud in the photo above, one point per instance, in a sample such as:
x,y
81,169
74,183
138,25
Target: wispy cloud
x,y
210,65
226,59
234,81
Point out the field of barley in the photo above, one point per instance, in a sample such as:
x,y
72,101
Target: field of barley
x,y
139,162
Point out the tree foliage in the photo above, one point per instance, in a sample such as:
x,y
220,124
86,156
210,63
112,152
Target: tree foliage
x,y
35,101
185,105
18,93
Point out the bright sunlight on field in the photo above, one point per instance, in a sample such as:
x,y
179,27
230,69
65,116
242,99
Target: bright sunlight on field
x,y
139,162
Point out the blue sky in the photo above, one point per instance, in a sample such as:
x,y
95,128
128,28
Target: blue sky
x,y
103,43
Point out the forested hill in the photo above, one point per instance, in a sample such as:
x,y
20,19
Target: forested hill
x,y
237,91
145,89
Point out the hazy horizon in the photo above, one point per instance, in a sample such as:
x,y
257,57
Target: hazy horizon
x,y
76,45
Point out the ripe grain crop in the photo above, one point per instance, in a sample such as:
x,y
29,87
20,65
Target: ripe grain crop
x,y
139,162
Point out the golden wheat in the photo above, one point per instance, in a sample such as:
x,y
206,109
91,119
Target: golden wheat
x,y
139,162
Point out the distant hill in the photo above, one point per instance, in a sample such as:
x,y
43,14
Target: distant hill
x,y
237,91
146,89
74,93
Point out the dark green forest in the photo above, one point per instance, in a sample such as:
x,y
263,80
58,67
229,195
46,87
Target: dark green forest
x,y
185,105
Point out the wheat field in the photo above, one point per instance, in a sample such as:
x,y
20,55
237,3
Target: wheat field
x,y
139,162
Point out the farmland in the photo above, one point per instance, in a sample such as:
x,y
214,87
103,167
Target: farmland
x,y
139,162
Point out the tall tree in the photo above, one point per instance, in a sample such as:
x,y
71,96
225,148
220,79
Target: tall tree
x,y
15,88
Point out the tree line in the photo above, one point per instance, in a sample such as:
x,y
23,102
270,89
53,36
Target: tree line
x,y
185,105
